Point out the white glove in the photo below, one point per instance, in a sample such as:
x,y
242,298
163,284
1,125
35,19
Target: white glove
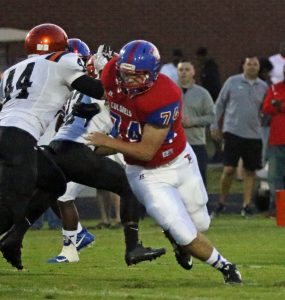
x,y
103,55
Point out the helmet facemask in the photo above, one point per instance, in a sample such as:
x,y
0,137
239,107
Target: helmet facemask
x,y
133,82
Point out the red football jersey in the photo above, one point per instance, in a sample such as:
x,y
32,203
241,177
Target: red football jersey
x,y
160,105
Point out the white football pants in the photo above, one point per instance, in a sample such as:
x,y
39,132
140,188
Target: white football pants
x,y
174,195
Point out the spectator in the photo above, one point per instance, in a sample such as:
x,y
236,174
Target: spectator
x,y
109,203
264,74
238,118
265,69
274,106
278,62
209,75
209,78
53,221
197,113
170,69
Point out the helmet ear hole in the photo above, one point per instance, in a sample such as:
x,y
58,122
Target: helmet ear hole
x,y
45,38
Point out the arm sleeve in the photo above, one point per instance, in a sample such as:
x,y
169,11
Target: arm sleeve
x,y
165,115
88,86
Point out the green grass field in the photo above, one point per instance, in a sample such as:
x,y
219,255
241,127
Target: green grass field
x,y
256,245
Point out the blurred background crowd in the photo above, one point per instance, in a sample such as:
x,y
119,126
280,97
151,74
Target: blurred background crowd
x,y
225,58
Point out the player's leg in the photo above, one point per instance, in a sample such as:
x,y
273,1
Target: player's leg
x,y
75,237
96,171
194,197
51,183
164,203
18,166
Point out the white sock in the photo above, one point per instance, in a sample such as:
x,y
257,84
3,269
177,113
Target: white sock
x,y
79,227
216,260
71,234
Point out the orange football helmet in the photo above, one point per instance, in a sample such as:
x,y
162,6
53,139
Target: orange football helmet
x,y
45,38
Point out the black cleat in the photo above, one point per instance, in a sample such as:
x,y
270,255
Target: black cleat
x,y
183,259
10,247
231,274
141,253
218,210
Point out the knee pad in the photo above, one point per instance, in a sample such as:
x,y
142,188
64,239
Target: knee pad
x,y
201,219
182,231
204,225
180,227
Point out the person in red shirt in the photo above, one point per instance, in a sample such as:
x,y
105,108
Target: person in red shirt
x,y
274,106
162,168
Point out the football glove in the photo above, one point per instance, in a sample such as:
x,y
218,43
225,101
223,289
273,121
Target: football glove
x,y
103,55
85,110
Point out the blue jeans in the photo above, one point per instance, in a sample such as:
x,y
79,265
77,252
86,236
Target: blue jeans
x,y
276,171
264,138
53,221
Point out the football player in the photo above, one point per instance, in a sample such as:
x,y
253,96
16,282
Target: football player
x,y
162,168
89,169
33,91
99,172
95,171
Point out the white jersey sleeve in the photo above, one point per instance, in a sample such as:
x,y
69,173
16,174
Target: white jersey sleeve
x,y
36,88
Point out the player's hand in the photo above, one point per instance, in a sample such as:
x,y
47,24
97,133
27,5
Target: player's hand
x,y
106,51
85,110
96,139
216,134
103,55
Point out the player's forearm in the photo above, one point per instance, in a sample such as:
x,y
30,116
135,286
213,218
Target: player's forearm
x,y
138,151
89,86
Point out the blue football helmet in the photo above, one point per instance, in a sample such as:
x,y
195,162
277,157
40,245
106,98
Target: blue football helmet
x,y
138,66
79,47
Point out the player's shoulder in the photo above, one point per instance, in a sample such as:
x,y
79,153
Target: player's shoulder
x,y
62,57
57,56
65,59
166,89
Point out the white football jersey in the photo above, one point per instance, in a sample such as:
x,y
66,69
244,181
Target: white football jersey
x,y
74,128
36,88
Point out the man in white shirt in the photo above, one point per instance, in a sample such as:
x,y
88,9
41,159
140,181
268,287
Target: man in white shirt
x,y
278,62
170,69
